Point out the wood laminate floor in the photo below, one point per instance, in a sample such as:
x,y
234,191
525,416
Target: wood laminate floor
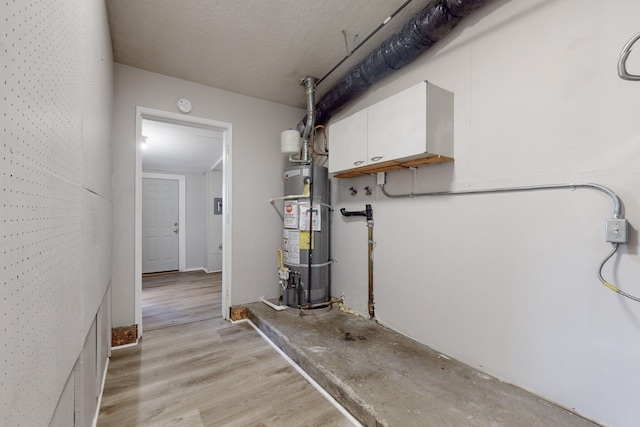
x,y
193,369
170,299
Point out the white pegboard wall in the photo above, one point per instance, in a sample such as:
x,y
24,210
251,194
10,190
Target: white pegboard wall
x,y
96,131
56,67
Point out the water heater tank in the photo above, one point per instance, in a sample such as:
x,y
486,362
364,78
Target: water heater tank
x,y
301,235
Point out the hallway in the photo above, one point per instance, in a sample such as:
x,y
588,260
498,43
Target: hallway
x,y
194,369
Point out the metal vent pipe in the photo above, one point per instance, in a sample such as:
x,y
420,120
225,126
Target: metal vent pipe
x,y
310,90
425,28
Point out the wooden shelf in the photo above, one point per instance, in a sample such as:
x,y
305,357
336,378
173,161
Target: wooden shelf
x,y
394,165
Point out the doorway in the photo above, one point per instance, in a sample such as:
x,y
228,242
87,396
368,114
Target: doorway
x,y
170,122
162,230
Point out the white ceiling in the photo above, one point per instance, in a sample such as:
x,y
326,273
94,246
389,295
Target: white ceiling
x,y
175,148
258,48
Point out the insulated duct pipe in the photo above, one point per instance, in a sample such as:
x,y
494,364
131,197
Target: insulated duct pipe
x,y
425,28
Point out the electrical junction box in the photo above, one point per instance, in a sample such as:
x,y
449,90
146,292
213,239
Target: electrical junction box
x,y
616,230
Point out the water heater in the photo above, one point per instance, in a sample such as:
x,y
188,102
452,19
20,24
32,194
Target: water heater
x,y
305,233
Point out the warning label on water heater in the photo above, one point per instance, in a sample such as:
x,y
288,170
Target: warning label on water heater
x,y
305,215
291,246
290,214
306,240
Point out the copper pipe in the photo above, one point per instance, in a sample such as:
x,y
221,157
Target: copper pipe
x,y
368,212
371,243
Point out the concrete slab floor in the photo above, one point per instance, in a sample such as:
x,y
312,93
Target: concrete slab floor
x,y
386,379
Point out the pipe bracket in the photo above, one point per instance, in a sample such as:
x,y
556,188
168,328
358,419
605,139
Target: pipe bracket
x,y
622,60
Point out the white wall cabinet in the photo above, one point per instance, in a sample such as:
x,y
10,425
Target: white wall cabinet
x,y
349,139
412,128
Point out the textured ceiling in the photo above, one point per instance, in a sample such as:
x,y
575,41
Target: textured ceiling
x,y
174,148
253,47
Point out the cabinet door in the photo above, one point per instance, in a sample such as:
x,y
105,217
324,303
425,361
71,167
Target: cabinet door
x,y
397,125
348,142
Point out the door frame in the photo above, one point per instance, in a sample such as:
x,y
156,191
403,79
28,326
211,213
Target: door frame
x,y
182,202
227,194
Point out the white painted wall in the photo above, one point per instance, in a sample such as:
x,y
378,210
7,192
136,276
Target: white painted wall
x,y
214,223
507,283
196,221
55,233
257,169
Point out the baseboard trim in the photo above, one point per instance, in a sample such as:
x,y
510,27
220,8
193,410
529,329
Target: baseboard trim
x,y
302,372
104,381
202,269
122,347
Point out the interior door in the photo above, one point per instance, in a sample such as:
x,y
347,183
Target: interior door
x,y
160,225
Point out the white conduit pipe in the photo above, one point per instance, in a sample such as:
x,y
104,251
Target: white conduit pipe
x,y
291,197
618,211
618,208
304,195
272,305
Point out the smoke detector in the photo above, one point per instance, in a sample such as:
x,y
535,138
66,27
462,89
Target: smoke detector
x,y
184,105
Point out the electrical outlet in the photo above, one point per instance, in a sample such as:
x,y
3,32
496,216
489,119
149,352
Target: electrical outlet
x,y
616,230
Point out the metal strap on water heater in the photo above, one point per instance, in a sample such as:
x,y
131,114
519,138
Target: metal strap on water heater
x,y
331,261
